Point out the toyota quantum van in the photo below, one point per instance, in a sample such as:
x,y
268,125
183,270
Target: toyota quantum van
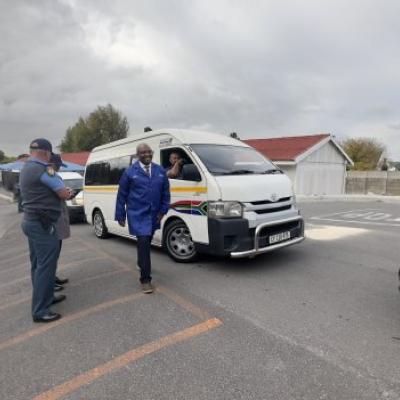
x,y
231,200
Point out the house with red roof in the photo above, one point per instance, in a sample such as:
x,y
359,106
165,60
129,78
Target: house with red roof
x,y
316,164
76,158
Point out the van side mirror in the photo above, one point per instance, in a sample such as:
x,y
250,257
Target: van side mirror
x,y
190,173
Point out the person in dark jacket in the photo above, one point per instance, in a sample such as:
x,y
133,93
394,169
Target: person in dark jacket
x,y
62,224
143,199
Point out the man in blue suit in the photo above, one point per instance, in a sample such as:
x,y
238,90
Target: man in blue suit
x,y
143,199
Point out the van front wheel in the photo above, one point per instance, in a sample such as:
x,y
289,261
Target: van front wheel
x,y
99,225
178,242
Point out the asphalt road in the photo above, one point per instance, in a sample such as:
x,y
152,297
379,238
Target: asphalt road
x,y
320,320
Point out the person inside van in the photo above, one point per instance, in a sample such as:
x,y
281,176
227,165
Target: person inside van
x,y
174,171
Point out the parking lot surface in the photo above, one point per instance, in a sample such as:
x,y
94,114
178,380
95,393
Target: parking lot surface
x,y
320,320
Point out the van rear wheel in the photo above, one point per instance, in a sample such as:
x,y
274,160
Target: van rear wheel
x,y
178,242
99,225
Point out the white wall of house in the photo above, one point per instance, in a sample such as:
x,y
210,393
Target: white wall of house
x,y
323,172
290,171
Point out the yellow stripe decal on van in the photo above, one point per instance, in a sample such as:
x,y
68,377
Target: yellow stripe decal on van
x,y
197,189
108,188
176,189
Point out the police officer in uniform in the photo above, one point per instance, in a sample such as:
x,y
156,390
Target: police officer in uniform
x,y
42,193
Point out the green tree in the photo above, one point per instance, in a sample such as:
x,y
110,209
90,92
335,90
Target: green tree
x,y
365,152
103,125
6,159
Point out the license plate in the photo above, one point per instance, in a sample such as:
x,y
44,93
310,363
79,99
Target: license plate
x,y
279,237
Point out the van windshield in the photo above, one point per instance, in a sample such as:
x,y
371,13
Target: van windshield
x,y
233,160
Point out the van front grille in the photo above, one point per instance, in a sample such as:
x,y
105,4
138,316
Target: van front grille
x,y
262,202
272,210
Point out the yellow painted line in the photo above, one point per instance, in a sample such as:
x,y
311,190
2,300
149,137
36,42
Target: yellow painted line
x,y
127,358
69,318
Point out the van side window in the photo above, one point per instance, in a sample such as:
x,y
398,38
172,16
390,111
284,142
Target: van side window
x,y
106,172
168,155
117,168
97,173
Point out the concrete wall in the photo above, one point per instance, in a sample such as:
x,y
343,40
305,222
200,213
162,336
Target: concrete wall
x,y
376,182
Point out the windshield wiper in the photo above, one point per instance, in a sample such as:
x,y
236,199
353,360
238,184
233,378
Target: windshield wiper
x,y
273,171
240,172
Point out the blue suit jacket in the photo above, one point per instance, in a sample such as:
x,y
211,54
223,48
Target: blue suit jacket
x,y
141,198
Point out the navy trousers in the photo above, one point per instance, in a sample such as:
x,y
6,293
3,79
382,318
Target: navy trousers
x,y
44,247
143,257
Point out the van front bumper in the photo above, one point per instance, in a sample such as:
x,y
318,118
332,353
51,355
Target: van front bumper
x,y
234,238
265,230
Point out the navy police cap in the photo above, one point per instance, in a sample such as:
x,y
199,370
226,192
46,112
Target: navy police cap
x,y
41,144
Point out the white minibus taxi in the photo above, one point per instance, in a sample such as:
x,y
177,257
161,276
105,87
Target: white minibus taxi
x,y
230,200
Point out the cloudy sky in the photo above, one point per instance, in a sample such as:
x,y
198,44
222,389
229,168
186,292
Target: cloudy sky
x,y
260,68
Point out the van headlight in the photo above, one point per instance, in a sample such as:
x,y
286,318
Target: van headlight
x,y
77,200
225,209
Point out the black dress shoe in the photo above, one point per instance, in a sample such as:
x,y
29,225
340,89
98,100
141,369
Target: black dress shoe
x,y
49,317
60,281
59,298
58,288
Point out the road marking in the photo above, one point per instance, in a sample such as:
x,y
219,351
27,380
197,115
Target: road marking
x,y
365,216
82,281
15,303
185,304
69,318
15,257
127,358
327,232
27,262
341,212
118,262
62,267
354,222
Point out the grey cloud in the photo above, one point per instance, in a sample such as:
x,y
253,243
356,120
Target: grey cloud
x,y
263,68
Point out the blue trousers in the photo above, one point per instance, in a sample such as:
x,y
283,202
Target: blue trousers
x,y
143,257
44,248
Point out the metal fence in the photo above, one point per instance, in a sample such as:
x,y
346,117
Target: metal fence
x,y
376,182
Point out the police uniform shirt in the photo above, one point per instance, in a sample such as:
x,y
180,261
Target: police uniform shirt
x,y
49,177
39,185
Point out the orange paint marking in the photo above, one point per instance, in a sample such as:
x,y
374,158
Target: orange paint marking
x,y
15,257
15,303
60,268
118,262
69,318
187,305
127,358
82,281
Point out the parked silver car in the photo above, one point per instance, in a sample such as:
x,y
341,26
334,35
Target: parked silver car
x,y
75,205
